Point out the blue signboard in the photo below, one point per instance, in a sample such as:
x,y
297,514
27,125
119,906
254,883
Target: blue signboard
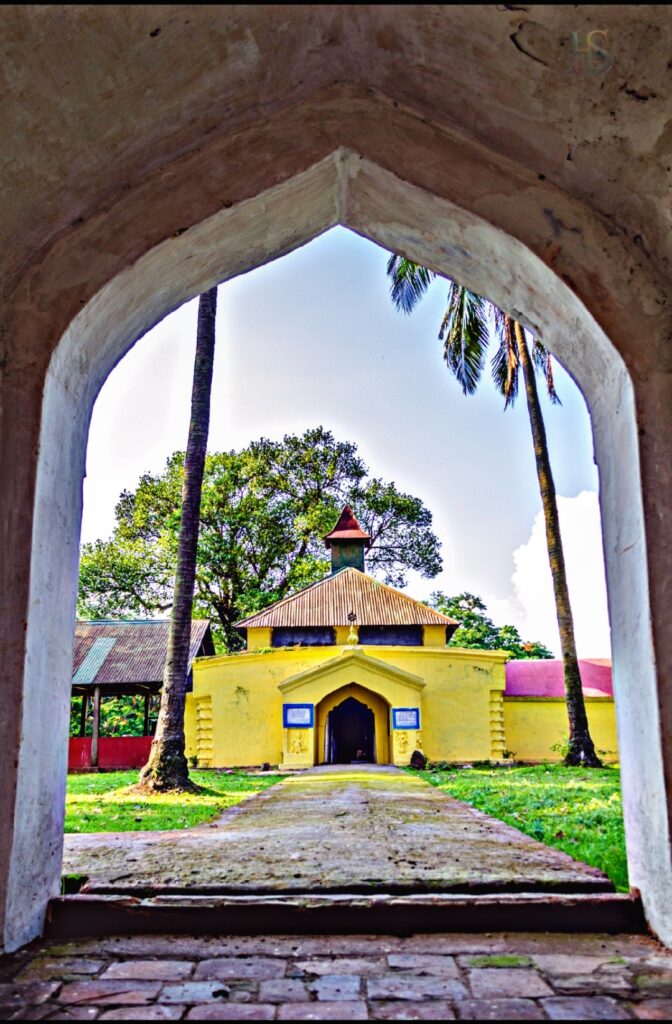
x,y
298,716
405,718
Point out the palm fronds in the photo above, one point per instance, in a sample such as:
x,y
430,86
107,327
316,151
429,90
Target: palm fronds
x,y
408,282
505,362
464,332
543,362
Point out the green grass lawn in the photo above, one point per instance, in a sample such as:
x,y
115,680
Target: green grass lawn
x,y
101,802
577,810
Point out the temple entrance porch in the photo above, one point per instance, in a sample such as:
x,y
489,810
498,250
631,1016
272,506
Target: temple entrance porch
x,y
382,687
353,726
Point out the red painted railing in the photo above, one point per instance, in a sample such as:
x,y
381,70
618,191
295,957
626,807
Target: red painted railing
x,y
113,752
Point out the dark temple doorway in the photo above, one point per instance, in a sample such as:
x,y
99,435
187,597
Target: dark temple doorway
x,y
351,733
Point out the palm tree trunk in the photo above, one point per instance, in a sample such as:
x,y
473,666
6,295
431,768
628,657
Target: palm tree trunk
x,y
167,768
581,748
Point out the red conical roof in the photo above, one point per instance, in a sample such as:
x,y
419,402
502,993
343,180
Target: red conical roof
x,y
347,528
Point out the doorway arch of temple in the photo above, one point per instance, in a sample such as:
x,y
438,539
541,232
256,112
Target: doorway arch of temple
x,y
326,742
385,684
137,258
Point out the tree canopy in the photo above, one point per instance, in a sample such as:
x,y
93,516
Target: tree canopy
x,y
264,512
478,631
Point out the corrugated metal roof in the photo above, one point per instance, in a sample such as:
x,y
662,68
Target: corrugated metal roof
x,y
109,652
330,601
93,660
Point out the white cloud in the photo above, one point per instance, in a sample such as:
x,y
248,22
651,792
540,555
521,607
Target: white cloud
x,y
531,606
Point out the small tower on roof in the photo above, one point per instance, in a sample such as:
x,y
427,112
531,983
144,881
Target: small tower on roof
x,y
347,541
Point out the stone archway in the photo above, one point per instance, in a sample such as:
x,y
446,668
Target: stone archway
x,y
375,743
122,253
358,194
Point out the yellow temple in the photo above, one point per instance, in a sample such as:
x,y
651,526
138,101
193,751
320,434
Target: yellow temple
x,y
350,670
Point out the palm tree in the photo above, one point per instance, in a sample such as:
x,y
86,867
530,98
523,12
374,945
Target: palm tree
x,y
167,768
465,331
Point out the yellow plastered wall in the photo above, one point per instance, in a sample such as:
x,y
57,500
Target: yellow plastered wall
x,y
190,726
434,636
257,638
457,724
533,725
246,702
298,748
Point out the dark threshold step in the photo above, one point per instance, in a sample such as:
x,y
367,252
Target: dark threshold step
x,y
344,913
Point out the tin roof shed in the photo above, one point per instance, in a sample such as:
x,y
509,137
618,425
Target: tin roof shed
x,y
128,656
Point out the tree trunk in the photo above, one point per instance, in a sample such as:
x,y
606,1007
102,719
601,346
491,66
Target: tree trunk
x,y
167,768
95,732
581,749
82,717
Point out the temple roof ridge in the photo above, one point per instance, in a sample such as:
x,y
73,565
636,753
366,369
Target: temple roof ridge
x,y
331,601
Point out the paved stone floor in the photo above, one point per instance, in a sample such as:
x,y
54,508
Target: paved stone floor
x,y
422,977
333,829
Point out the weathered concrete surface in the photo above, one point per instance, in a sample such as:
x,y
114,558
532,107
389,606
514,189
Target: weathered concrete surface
x,y
337,830
150,151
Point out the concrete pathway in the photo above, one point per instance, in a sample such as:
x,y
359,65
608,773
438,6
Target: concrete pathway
x,y
333,829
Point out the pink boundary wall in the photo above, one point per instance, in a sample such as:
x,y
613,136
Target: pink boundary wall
x,y
545,678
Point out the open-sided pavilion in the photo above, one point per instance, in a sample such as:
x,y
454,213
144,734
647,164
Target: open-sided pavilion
x,y
122,659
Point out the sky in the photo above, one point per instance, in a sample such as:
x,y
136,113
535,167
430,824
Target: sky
x,y
313,338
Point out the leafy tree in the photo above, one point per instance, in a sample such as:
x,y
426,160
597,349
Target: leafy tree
x,y
264,513
466,328
119,716
478,631
167,768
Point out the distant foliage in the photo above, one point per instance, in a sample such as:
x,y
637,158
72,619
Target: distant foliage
x,y
264,513
478,631
119,716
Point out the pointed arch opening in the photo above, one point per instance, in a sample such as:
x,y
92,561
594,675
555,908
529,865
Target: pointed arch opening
x,y
353,727
342,188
